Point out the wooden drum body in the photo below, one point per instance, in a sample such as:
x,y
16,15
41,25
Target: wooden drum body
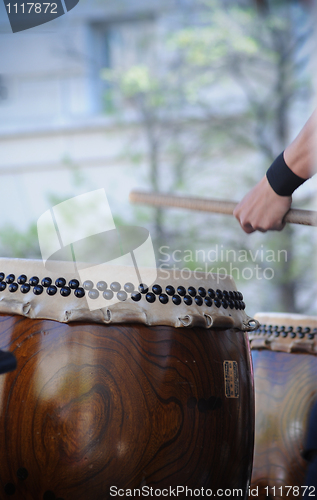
x,y
285,372
123,404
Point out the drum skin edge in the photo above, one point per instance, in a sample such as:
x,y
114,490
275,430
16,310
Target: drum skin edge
x,y
92,406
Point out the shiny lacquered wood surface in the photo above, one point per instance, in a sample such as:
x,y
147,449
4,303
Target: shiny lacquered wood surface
x,y
285,390
92,406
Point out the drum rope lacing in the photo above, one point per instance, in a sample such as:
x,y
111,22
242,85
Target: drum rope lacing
x,y
270,331
220,298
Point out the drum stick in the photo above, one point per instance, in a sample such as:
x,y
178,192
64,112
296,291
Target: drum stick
x,y
294,216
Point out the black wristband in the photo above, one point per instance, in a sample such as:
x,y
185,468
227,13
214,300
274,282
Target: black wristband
x,y
281,178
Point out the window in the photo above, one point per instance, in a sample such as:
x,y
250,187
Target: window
x,y
119,45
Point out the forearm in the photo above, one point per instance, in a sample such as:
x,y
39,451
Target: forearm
x,y
267,203
300,154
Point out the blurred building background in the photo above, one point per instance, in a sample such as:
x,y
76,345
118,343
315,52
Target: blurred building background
x,y
178,96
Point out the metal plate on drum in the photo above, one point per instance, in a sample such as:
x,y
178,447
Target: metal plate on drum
x,y
231,374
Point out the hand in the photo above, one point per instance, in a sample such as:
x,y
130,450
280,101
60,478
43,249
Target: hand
x,y
262,209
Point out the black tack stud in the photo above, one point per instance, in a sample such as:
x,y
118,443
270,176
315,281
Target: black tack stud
x,y
188,300
225,294
170,290
9,489
93,294
49,495
284,334
157,289
136,296
73,284
115,286
150,297
3,286
219,294
202,405
22,473
306,330
102,286
176,300
13,287
211,293
107,294
217,302
65,291
192,291
224,303
208,301
38,289
163,298
242,305
10,278
181,291
231,295
143,288
122,296
60,282
2,275
202,291
46,282
88,285
199,300
79,292
231,303
236,304
34,281
129,287
21,279
25,288
51,290
293,335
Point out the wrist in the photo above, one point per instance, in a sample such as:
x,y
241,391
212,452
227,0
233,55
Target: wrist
x,y
281,178
299,160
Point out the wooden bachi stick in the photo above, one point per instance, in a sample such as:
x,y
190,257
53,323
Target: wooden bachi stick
x,y
294,216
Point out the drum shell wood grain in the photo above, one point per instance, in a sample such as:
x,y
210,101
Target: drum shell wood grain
x,y
92,406
285,390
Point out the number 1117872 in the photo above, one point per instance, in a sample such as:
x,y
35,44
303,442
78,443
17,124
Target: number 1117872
x,y
294,491
34,8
